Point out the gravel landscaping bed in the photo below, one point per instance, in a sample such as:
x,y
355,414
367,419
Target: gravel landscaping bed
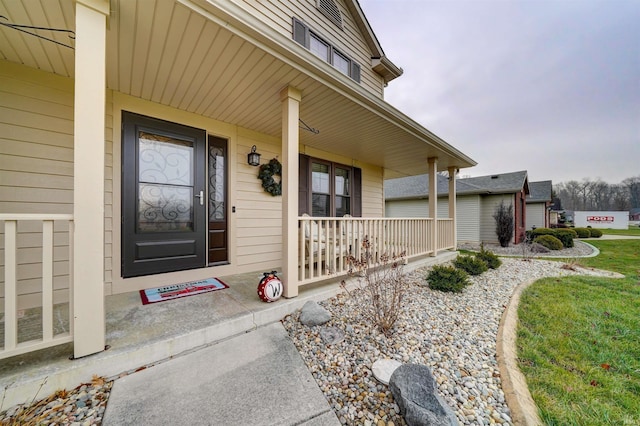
x,y
453,334
580,249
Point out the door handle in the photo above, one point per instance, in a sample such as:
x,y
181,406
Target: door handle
x,y
201,196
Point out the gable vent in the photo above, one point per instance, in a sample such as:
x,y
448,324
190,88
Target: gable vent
x,y
329,8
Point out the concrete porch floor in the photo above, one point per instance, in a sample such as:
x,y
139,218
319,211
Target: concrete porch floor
x,y
140,335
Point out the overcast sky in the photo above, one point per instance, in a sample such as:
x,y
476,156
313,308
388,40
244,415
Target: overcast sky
x,y
547,86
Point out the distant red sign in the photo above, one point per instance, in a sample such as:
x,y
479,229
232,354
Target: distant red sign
x,y
600,219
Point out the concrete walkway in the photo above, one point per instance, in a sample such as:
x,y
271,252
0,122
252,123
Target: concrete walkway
x,y
146,337
257,378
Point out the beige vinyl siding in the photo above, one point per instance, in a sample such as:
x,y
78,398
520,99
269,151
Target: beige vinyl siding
x,y
468,212
108,191
36,172
407,208
258,214
535,215
468,218
347,39
372,190
443,208
416,208
488,207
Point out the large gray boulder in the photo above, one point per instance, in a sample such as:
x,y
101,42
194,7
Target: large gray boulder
x,y
414,390
314,314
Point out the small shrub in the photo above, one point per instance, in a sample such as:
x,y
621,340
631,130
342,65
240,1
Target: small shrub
x,y
490,258
541,231
566,236
447,278
549,241
582,232
471,265
504,223
382,289
595,233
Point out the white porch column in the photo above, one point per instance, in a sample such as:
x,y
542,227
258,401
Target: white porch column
x,y
88,178
433,201
290,98
453,204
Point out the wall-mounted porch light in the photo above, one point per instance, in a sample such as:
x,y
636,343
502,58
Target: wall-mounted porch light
x,y
253,158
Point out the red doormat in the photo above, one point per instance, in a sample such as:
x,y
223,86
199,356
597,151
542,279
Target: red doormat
x,y
160,294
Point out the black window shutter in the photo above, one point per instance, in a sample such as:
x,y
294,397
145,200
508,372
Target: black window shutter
x,y
303,185
355,71
357,192
300,33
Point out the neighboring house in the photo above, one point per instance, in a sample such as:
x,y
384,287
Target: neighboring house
x,y
634,214
476,198
124,160
539,204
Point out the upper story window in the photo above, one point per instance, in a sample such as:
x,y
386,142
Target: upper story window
x,y
320,47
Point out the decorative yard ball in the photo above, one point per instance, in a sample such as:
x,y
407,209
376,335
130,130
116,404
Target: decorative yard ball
x,y
270,287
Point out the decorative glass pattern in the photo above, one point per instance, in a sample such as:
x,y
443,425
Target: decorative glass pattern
x,y
165,183
216,183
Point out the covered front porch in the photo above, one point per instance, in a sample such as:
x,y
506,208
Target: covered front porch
x,y
140,335
79,250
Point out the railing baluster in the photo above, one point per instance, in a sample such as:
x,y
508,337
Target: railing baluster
x,y
332,240
47,280
10,291
301,250
12,331
72,229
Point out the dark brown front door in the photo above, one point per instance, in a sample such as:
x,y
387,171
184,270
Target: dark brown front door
x,y
164,222
217,176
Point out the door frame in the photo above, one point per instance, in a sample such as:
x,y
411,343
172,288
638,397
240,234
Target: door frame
x,y
152,253
114,283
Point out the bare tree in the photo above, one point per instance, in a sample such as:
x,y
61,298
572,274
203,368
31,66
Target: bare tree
x,y
620,197
503,216
569,193
633,185
599,195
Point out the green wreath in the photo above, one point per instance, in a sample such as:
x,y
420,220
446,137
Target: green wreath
x,y
267,172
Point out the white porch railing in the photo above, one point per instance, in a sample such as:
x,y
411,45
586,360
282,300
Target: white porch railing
x,y
446,236
12,267
325,243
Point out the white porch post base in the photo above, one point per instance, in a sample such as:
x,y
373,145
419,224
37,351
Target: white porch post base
x,y
433,202
290,98
453,204
88,179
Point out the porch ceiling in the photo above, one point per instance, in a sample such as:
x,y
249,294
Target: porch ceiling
x,y
196,57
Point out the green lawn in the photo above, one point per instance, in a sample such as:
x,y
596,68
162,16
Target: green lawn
x,y
579,341
633,230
